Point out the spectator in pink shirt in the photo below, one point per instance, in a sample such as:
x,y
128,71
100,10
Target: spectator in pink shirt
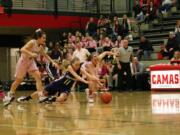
x,y
118,42
71,37
91,44
107,44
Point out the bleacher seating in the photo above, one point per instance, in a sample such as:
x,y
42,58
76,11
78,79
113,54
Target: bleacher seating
x,y
158,33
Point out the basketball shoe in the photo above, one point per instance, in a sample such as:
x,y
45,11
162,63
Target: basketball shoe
x,y
23,99
8,98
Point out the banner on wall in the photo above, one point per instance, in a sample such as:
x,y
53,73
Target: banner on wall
x,y
165,79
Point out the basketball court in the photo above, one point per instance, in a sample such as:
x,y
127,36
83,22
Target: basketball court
x,y
129,113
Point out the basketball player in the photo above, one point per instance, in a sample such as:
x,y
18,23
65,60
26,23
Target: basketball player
x,y
27,64
93,67
59,89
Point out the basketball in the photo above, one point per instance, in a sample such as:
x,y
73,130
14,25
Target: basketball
x,y
106,97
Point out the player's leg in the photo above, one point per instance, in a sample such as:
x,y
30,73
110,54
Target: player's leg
x,y
91,91
21,71
62,97
37,76
39,87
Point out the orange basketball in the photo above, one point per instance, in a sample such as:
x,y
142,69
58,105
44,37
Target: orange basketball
x,y
106,97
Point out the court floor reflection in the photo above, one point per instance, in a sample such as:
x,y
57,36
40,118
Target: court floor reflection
x,y
165,103
129,113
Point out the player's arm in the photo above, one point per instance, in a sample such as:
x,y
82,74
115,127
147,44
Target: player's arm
x,y
102,55
117,58
83,71
42,51
25,49
70,69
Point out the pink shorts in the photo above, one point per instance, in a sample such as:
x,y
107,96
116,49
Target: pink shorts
x,y
24,66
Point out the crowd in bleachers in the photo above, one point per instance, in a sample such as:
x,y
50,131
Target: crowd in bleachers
x,y
107,34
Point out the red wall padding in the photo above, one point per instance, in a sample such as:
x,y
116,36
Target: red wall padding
x,y
43,21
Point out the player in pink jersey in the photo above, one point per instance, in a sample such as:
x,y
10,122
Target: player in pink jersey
x,y
26,64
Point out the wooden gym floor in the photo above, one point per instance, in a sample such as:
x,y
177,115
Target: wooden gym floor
x,y
129,113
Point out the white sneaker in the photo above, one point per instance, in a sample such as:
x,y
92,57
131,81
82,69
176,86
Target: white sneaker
x,y
42,99
8,99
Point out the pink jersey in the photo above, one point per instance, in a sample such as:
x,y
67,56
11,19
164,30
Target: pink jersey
x,y
26,64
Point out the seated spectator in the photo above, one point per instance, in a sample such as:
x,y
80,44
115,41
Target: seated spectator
x,y
112,78
91,44
176,56
107,44
137,12
144,6
177,32
157,3
166,5
104,72
171,46
151,13
71,38
118,43
163,52
57,56
145,49
139,77
63,39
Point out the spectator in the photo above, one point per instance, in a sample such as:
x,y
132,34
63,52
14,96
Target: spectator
x,y
157,3
139,77
57,56
151,13
145,49
163,52
137,12
118,42
172,45
116,25
80,52
177,32
144,6
107,44
63,39
91,44
91,27
166,5
176,56
125,27
50,47
71,38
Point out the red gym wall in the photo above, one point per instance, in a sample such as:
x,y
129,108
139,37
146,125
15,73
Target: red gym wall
x,y
43,21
